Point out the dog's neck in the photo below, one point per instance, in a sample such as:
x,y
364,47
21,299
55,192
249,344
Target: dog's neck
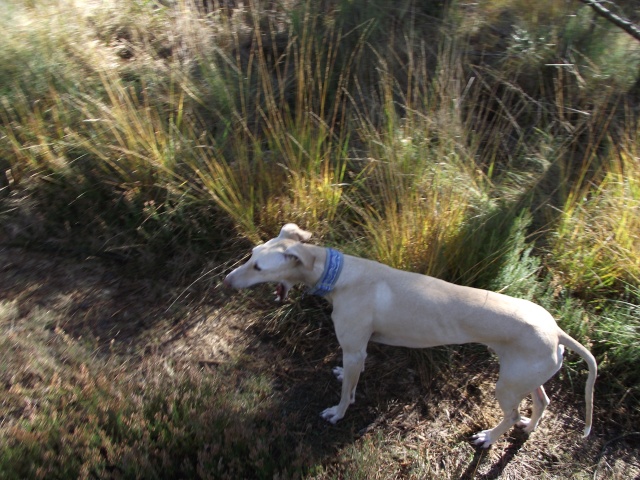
x,y
332,269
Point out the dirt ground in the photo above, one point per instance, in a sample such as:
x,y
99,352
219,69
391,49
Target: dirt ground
x,y
415,406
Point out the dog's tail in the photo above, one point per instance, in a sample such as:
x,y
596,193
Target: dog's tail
x,y
581,350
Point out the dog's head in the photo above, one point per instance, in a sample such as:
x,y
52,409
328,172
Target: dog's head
x,y
282,260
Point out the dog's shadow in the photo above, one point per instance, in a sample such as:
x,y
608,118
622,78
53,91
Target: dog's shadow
x,y
482,456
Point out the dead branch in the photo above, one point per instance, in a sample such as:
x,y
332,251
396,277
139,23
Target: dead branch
x,y
617,20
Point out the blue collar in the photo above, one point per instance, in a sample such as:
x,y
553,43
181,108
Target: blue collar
x,y
332,268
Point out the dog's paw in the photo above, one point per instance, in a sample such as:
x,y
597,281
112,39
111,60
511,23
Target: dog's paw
x,y
482,439
526,425
332,415
524,422
339,373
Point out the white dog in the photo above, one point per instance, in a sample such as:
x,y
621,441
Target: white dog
x,y
375,302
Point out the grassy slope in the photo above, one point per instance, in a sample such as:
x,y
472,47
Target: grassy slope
x,y
156,137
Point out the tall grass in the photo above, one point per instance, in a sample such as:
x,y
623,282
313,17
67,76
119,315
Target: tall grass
x,y
276,123
428,169
596,246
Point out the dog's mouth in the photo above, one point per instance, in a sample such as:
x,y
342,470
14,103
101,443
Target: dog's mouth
x,y
281,292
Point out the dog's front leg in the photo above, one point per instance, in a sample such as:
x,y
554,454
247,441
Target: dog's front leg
x,y
353,363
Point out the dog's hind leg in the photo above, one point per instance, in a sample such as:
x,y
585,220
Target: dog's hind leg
x,y
520,376
540,403
540,399
509,402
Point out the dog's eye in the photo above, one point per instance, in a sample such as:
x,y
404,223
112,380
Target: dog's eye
x,y
257,268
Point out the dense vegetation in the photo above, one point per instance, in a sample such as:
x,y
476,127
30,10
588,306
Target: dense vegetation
x,y
493,144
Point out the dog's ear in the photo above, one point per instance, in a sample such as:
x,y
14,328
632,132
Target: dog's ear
x,y
301,254
294,232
